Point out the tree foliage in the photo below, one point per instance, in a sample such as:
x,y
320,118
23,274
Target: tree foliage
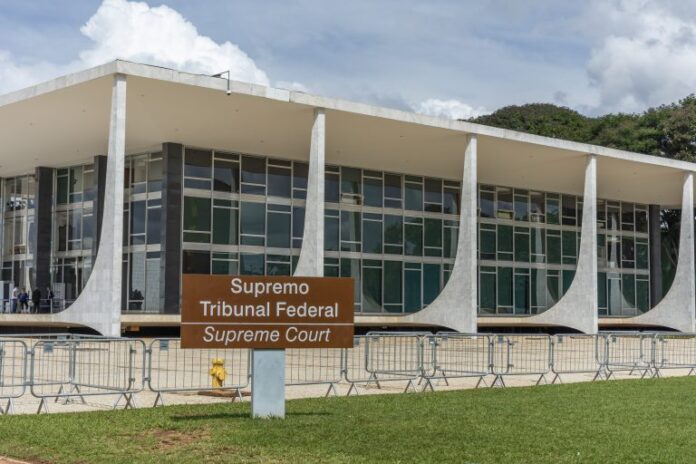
x,y
668,130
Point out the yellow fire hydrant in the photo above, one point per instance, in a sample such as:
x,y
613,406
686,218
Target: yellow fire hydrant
x,y
218,373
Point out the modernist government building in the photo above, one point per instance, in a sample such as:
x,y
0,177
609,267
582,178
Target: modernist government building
x,y
118,179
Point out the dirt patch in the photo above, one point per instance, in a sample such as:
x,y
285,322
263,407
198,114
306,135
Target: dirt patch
x,y
170,439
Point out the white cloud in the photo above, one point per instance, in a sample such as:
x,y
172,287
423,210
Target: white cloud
x,y
449,109
646,55
137,32
292,86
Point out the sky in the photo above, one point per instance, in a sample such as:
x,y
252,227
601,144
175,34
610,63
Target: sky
x,y
447,58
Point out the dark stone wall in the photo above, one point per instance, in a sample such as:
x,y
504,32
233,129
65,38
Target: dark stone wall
x,y
170,262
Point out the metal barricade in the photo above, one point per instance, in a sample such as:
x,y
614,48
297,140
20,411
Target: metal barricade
x,y
71,369
674,351
314,366
172,369
456,355
576,354
628,351
13,370
394,356
519,355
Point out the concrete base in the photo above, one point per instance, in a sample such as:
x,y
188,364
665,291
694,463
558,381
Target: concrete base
x,y
268,384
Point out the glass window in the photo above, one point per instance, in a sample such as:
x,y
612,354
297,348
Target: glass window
x,y
433,195
642,295
392,191
137,210
372,288
488,292
196,219
279,183
351,268
488,243
413,239
433,232
225,226
350,181
451,200
642,253
154,225
254,170
521,208
253,218
414,196
431,282
331,230
505,242
553,247
373,192
552,210
251,264
350,227
392,282
412,290
522,244
226,176
642,221
196,262
505,288
278,230
629,290
298,220
569,210
521,293
300,175
198,163
331,188
602,290
372,233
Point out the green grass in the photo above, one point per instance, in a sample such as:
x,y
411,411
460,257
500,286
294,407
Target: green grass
x,y
617,421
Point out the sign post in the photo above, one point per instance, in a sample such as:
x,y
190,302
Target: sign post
x,y
266,314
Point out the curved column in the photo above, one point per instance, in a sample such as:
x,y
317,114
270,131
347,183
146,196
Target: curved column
x,y
457,304
577,309
677,310
99,304
311,261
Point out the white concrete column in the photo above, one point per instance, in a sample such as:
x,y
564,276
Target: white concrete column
x,y
577,309
99,304
677,310
311,261
456,306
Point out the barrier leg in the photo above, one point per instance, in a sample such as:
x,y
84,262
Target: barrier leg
x,y
353,388
410,386
238,396
8,409
159,400
557,377
43,406
428,383
542,377
691,372
332,387
498,381
60,390
373,376
481,380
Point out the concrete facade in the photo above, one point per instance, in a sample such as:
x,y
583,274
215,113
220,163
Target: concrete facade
x,y
290,125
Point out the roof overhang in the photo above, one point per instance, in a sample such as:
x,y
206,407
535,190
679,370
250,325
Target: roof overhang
x,y
65,121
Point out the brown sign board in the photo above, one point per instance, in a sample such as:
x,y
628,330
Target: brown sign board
x,y
266,312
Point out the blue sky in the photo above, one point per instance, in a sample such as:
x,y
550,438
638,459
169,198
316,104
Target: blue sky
x,y
443,57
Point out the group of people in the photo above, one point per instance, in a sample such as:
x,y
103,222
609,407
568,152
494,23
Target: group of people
x,y
20,300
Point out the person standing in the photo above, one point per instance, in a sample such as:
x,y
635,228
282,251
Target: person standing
x,y
24,300
36,300
15,296
49,297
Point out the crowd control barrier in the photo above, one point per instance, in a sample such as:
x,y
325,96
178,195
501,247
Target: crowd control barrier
x,y
456,355
575,354
75,369
627,351
520,355
13,369
316,366
172,369
70,368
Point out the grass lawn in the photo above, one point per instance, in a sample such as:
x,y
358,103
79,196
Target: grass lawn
x,y
617,421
